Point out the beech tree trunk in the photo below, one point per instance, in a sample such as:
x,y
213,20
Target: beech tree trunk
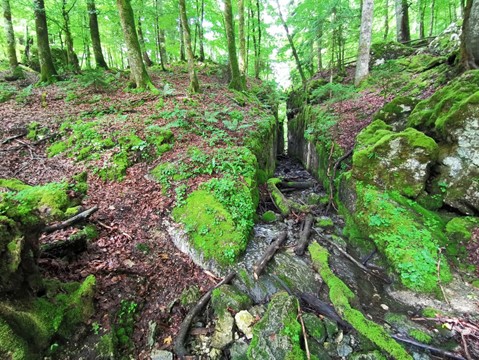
x,y
194,84
362,64
137,68
72,58
242,38
160,33
386,20
95,35
10,37
47,69
141,39
431,23
202,31
237,80
402,21
182,43
291,43
470,35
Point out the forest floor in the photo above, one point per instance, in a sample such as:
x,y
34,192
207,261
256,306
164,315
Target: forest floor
x,y
133,258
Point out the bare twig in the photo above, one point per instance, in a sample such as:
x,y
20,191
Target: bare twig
x,y
305,335
7,140
73,220
268,255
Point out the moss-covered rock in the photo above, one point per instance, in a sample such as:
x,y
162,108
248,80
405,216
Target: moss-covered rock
x,y
28,326
229,297
341,296
383,51
277,335
396,112
459,232
394,161
407,234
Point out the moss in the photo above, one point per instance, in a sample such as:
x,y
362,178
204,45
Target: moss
x,y
13,184
406,233
269,216
459,232
430,312
11,346
107,346
420,336
340,295
210,227
442,110
57,148
396,110
229,298
325,222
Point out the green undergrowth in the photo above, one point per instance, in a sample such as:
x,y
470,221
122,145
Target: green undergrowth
x,y
110,154
341,296
28,327
409,235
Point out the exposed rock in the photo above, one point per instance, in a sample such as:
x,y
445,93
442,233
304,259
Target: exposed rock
x,y
374,355
238,350
390,160
223,335
277,334
244,321
344,349
161,355
382,51
396,112
229,297
447,42
315,327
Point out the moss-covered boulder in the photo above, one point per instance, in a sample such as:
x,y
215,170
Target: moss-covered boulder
x,y
277,335
396,112
447,42
459,232
451,116
229,297
407,234
390,160
28,326
383,51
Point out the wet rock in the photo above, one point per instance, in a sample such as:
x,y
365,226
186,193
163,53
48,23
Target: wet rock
x,y
223,335
277,334
331,327
344,349
394,161
315,327
238,350
244,321
161,355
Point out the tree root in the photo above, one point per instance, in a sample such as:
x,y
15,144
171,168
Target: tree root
x,y
268,255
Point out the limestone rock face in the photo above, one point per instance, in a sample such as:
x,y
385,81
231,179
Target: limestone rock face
x,y
276,336
447,42
244,320
223,335
391,160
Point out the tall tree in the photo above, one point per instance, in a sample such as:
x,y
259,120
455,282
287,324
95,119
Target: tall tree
x,y
72,58
237,80
470,35
138,71
242,37
362,64
160,34
291,43
47,69
141,39
194,84
10,36
95,35
402,21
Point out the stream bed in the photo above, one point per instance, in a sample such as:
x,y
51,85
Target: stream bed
x,y
400,311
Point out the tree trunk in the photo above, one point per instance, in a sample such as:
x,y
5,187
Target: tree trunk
x,y
362,64
237,80
182,43
470,35
95,35
402,21
291,43
72,58
160,35
137,67
433,9
258,55
10,37
422,15
194,84
320,47
386,20
141,39
201,32
47,69
242,38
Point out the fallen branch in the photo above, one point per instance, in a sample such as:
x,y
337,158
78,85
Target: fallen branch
x,y
332,178
73,220
353,260
304,235
7,140
268,255
179,347
432,349
323,308
284,205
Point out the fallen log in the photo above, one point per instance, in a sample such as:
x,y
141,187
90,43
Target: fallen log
x,y
62,248
297,184
353,260
323,308
304,235
283,204
179,346
434,350
268,255
73,220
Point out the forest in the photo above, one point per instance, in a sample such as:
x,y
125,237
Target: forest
x,y
259,179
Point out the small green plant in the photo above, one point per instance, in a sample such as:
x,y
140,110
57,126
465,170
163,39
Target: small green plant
x,y
125,322
442,186
23,95
144,248
95,328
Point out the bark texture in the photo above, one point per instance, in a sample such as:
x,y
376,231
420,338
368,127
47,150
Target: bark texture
x,y
95,35
72,58
137,67
242,38
402,21
9,35
470,35
362,64
194,84
237,81
47,69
